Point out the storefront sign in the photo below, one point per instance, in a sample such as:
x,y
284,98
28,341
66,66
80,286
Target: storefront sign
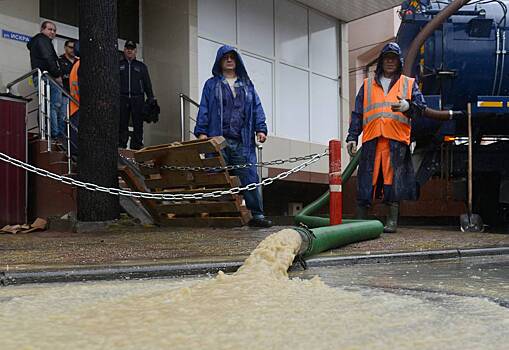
x,y
15,36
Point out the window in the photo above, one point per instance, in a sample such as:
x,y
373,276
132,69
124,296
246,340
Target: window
x,y
291,53
128,12
67,12
63,11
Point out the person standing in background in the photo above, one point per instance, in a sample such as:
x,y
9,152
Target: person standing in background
x,y
44,57
134,85
66,61
230,107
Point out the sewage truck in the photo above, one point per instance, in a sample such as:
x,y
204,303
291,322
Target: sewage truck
x,y
460,59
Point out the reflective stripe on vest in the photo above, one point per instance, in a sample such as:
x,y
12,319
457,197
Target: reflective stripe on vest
x,y
378,117
391,115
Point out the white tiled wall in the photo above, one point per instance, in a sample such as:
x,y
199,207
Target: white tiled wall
x,y
292,55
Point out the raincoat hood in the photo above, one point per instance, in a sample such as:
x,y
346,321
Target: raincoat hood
x,y
390,47
240,69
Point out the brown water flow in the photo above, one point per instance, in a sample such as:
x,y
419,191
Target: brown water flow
x,y
258,307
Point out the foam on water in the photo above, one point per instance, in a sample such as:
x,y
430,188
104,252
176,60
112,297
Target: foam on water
x,y
258,307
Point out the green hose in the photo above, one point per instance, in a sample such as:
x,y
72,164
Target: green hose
x,y
318,236
304,216
321,239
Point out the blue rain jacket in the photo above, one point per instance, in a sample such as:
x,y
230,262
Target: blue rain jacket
x,y
404,184
212,109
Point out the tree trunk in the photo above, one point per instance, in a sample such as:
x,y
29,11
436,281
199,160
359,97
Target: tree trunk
x,y
99,83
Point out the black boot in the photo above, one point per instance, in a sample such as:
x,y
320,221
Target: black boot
x,y
391,225
260,222
362,212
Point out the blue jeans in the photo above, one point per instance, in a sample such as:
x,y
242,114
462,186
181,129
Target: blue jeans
x,y
233,156
58,109
57,112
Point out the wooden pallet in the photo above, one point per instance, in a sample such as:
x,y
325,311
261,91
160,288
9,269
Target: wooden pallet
x,y
226,211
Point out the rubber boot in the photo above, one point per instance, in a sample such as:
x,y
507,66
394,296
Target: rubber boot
x,y
362,212
391,224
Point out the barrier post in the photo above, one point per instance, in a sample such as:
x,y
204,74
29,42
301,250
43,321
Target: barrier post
x,y
336,196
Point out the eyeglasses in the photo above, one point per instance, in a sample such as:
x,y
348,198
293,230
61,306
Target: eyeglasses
x,y
71,47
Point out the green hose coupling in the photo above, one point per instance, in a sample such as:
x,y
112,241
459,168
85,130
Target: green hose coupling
x,y
307,237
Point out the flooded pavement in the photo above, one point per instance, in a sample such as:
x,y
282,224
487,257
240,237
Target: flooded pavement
x,y
429,305
483,277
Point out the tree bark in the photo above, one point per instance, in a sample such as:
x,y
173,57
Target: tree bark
x,y
99,83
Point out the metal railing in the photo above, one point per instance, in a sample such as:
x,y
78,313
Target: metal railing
x,y
43,109
183,99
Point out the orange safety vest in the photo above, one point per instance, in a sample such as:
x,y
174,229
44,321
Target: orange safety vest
x,y
74,88
378,117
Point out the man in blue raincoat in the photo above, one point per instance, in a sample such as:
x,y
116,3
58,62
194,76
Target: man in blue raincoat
x,y
383,111
230,107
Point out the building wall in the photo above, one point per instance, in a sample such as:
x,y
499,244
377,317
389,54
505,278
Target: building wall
x,y
19,17
292,55
367,36
295,56
169,42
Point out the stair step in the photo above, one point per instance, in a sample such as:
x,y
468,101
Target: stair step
x,y
53,156
59,168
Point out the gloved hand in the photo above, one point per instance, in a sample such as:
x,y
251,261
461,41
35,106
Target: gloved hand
x,y
351,147
457,115
402,106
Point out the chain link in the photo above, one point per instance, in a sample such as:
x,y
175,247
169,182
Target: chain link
x,y
218,168
157,196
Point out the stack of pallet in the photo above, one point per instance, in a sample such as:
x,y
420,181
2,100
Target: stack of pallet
x,y
226,211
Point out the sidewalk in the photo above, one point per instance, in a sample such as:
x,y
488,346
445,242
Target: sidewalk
x,y
135,245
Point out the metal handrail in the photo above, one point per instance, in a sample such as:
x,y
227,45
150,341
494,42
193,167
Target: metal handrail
x,y
189,99
45,74
20,79
43,92
60,87
184,97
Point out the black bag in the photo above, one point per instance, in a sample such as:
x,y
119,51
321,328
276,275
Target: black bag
x,y
151,111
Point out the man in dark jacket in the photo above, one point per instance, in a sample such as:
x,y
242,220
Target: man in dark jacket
x,y
231,107
44,57
66,61
134,85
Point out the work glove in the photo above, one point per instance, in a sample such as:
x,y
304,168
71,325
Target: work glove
x,y
401,106
351,147
151,111
457,115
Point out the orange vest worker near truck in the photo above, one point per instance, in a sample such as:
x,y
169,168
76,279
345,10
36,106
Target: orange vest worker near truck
x,y
384,108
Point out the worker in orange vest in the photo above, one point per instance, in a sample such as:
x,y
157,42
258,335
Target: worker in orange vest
x,y
384,108
74,90
74,87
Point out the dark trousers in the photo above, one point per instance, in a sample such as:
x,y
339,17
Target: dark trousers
x,y
131,108
74,127
233,156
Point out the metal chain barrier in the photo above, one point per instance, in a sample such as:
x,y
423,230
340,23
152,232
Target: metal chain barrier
x,y
157,196
226,167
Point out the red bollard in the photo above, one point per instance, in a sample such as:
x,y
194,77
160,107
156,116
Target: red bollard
x,y
336,196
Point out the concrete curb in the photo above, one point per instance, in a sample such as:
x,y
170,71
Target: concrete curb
x,y
405,257
195,269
